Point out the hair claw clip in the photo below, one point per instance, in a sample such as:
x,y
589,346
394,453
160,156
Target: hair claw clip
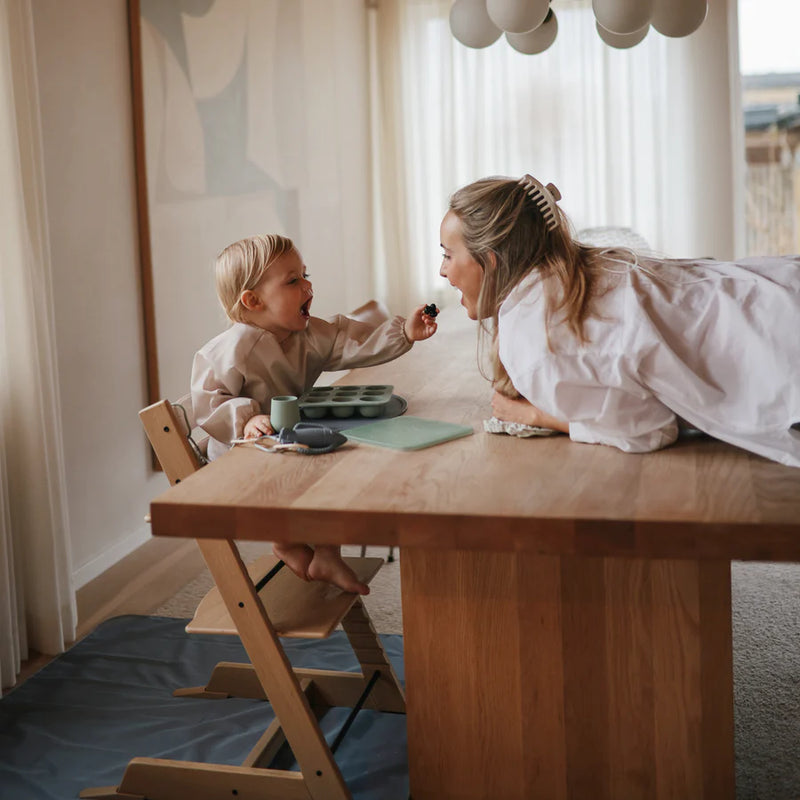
x,y
544,198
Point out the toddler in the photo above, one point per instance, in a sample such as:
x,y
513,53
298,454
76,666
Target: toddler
x,y
275,347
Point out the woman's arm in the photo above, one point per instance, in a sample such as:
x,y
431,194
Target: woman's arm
x,y
520,410
629,418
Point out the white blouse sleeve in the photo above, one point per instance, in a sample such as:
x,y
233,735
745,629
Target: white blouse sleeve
x,y
627,417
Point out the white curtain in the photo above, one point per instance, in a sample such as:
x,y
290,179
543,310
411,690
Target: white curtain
x,y
616,131
37,600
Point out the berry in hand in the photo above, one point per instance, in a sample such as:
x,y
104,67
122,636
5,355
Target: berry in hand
x,y
430,310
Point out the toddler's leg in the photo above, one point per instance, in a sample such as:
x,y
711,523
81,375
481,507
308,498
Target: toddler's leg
x,y
296,556
327,565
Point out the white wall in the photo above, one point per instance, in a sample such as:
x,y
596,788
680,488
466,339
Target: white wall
x,y
84,83
290,79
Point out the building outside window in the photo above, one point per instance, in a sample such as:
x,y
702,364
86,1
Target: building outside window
x,y
770,66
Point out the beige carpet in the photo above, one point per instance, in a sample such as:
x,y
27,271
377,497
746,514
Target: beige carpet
x,y
383,601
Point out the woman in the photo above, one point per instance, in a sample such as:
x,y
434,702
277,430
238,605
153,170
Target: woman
x,y
614,347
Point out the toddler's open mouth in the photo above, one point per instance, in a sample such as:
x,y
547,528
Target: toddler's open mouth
x,y
305,309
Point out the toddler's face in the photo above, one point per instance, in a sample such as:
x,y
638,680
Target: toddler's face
x,y
458,266
285,294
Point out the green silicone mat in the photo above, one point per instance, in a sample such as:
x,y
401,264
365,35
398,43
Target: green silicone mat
x,y
407,433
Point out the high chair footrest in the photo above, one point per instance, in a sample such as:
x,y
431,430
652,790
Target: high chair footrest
x,y
296,608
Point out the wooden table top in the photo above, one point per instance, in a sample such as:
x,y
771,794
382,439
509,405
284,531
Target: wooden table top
x,y
697,499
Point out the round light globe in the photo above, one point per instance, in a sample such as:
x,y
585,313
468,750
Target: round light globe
x,y
622,41
622,16
517,16
470,24
678,17
537,40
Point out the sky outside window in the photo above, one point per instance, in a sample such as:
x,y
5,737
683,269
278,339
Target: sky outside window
x,y
769,36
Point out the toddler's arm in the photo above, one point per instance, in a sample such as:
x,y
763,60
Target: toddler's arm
x,y
350,343
345,343
218,408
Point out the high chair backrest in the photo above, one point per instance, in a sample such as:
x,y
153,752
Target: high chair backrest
x,y
170,439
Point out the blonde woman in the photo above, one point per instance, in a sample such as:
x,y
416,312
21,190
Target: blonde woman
x,y
618,348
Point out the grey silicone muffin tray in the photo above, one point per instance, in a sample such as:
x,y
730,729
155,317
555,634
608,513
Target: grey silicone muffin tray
x,y
345,401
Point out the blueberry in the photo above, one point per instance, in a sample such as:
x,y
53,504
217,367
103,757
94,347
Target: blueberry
x,y
431,310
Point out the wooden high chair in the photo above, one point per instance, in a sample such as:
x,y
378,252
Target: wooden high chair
x,y
290,607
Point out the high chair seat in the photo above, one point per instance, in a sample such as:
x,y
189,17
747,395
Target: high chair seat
x,y
296,608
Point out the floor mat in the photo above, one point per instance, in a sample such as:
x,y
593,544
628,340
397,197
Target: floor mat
x,y
78,721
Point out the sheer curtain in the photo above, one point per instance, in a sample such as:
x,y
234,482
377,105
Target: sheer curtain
x,y
616,131
37,601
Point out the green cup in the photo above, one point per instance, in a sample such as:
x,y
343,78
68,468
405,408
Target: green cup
x,y
284,412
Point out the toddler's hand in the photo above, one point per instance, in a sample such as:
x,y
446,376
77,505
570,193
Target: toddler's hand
x,y
419,325
256,426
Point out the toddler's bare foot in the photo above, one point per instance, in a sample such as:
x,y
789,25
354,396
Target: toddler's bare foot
x,y
327,565
296,556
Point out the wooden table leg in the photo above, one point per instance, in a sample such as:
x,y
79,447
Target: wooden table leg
x,y
564,678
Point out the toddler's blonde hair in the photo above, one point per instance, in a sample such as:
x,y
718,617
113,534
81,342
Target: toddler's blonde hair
x,y
241,266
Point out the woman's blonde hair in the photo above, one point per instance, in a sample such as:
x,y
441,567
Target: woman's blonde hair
x,y
241,266
500,223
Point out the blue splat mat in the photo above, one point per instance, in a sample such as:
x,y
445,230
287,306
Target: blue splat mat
x,y
77,722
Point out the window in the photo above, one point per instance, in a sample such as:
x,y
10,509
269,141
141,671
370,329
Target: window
x,y
616,131
770,67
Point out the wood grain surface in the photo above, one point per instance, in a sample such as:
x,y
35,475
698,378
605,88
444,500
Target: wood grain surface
x,y
567,678
697,499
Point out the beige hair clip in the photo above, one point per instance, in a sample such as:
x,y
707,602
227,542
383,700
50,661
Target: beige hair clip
x,y
544,197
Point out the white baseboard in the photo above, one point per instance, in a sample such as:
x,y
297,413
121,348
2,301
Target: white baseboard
x,y
111,556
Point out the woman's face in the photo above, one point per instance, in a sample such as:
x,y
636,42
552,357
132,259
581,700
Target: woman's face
x,y
458,266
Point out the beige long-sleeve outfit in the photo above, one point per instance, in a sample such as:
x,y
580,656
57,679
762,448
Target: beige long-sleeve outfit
x,y
236,374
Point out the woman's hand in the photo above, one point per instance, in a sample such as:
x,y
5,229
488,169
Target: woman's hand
x,y
256,426
520,410
419,325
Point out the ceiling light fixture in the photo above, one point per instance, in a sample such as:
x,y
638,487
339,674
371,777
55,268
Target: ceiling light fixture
x,y
530,26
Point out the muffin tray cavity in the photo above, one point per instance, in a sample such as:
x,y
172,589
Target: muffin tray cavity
x,y
345,401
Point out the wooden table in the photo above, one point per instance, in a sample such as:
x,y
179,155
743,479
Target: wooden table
x,y
567,607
